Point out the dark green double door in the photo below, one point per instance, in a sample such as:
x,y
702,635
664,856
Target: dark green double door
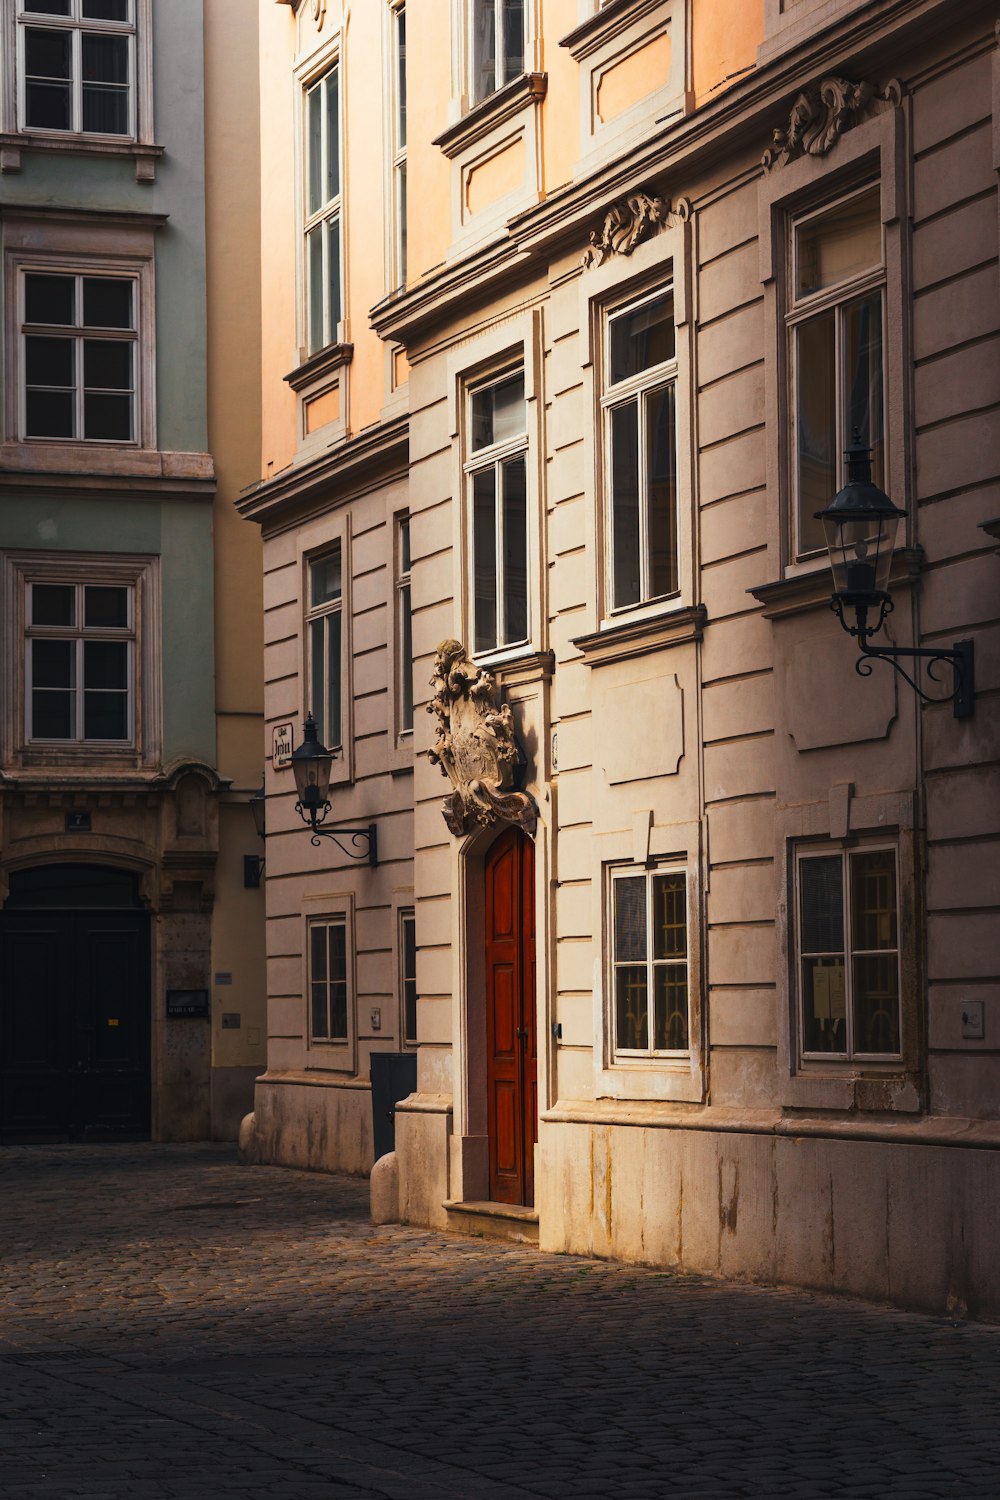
x,y
74,1025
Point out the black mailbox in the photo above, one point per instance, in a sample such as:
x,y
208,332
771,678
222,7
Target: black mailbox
x,y
394,1076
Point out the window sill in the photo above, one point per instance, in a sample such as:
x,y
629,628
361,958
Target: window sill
x,y
529,88
629,638
808,590
317,365
91,465
145,156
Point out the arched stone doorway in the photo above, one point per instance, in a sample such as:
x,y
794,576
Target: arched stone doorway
x,y
74,1005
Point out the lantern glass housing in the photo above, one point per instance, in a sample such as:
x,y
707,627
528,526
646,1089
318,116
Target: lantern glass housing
x,y
312,764
860,524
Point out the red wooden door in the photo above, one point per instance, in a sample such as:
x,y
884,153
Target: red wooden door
x,y
512,1050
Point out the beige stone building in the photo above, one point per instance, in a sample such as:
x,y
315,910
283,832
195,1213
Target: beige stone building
x,y
566,335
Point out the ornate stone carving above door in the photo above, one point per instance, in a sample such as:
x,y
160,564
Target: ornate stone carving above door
x,y
475,746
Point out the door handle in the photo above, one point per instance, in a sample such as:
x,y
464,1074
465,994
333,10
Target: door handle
x,y
522,1032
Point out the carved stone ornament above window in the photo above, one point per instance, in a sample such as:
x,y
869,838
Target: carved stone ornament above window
x,y
319,12
475,746
630,221
821,114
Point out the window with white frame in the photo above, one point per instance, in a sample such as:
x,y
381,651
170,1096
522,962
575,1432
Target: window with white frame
x,y
79,355
497,46
836,313
328,980
324,644
77,66
640,432
650,992
497,483
79,670
848,953
404,629
408,976
397,144
322,222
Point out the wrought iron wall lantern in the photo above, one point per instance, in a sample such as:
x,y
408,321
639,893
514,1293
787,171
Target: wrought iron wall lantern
x,y
311,765
861,524
253,864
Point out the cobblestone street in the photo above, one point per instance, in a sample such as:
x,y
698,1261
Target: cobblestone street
x,y
174,1325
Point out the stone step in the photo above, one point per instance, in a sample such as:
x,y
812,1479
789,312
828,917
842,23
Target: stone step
x,y
494,1221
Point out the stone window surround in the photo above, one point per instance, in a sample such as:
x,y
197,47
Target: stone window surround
x,y
313,540
316,56
872,152
848,821
648,845
660,261
69,242
14,139
607,37
321,1054
505,343
139,572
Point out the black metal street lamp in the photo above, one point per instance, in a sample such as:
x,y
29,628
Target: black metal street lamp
x,y
860,525
253,864
312,764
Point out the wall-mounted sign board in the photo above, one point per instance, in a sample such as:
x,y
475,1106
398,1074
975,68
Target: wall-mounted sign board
x,y
282,736
183,1003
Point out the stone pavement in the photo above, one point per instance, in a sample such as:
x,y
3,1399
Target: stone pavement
x,y
174,1325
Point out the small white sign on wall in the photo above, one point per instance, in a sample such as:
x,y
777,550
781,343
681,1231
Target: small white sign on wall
x,y
281,745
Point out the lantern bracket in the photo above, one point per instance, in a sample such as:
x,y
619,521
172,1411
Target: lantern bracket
x,y
960,657
363,841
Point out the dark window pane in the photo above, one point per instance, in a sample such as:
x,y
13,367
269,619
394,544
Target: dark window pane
x,y
670,1008
314,149
320,1022
48,7
325,581
53,664
314,255
821,905
873,900
409,979
332,135
317,672
876,1004
53,604
401,79
107,365
513,39
824,1005
484,559
48,361
333,687
816,426
105,606
484,48
317,954
338,1012
49,414
626,582
47,53
405,659
106,10
50,299
108,418
661,497
498,412
631,1008
863,398
404,544
47,106
840,244
105,109
401,221
105,58
670,916
333,279
515,550
338,954
630,919
52,716
642,338
105,716
105,664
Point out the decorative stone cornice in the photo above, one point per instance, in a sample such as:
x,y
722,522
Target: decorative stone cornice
x,y
630,221
326,481
475,746
821,114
